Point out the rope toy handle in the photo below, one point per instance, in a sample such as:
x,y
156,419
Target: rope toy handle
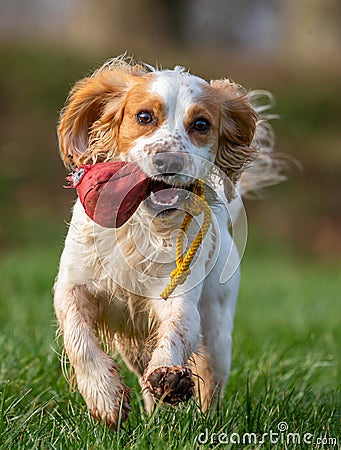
x,y
180,273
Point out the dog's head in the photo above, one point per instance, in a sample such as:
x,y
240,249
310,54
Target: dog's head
x,y
162,119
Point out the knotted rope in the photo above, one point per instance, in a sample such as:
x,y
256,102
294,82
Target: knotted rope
x,y
182,270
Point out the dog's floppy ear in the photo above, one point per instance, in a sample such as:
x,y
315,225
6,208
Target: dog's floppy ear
x,y
86,105
237,127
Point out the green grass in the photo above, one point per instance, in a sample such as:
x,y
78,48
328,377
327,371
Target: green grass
x,y
285,366
287,332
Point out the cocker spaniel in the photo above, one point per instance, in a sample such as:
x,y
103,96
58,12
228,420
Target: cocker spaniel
x,y
175,128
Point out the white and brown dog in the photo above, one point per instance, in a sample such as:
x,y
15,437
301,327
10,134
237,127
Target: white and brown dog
x,y
109,281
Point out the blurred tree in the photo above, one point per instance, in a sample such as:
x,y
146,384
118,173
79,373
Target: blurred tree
x,y
236,24
160,20
307,29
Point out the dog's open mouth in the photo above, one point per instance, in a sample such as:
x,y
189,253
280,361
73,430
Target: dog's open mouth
x,y
167,198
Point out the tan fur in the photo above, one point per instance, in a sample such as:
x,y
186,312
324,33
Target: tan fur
x,y
108,286
235,150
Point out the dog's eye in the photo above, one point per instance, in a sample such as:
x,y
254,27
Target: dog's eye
x,y
144,117
201,125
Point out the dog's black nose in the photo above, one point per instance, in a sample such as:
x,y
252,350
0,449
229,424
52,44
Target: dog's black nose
x,y
168,163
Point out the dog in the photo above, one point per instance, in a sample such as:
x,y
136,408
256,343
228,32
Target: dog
x,y
172,125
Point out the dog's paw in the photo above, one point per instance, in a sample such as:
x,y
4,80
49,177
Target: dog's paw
x,y
106,397
117,410
170,384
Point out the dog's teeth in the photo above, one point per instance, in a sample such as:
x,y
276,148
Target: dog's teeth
x,y
175,200
172,202
152,197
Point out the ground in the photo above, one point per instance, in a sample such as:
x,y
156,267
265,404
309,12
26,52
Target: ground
x,y
285,375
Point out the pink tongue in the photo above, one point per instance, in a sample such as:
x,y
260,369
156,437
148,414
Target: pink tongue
x,y
166,196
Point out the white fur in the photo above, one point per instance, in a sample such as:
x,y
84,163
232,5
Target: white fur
x,y
106,290
179,91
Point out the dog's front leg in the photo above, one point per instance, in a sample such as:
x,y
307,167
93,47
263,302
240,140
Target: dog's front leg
x,y
96,373
166,377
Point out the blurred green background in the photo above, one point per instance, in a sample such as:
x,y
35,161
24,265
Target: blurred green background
x,y
292,278
289,48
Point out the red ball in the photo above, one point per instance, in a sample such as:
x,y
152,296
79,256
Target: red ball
x,y
110,192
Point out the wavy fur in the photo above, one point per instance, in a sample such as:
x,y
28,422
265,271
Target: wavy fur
x,y
109,281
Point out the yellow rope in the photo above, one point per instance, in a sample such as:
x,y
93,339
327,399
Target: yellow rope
x,y
199,205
